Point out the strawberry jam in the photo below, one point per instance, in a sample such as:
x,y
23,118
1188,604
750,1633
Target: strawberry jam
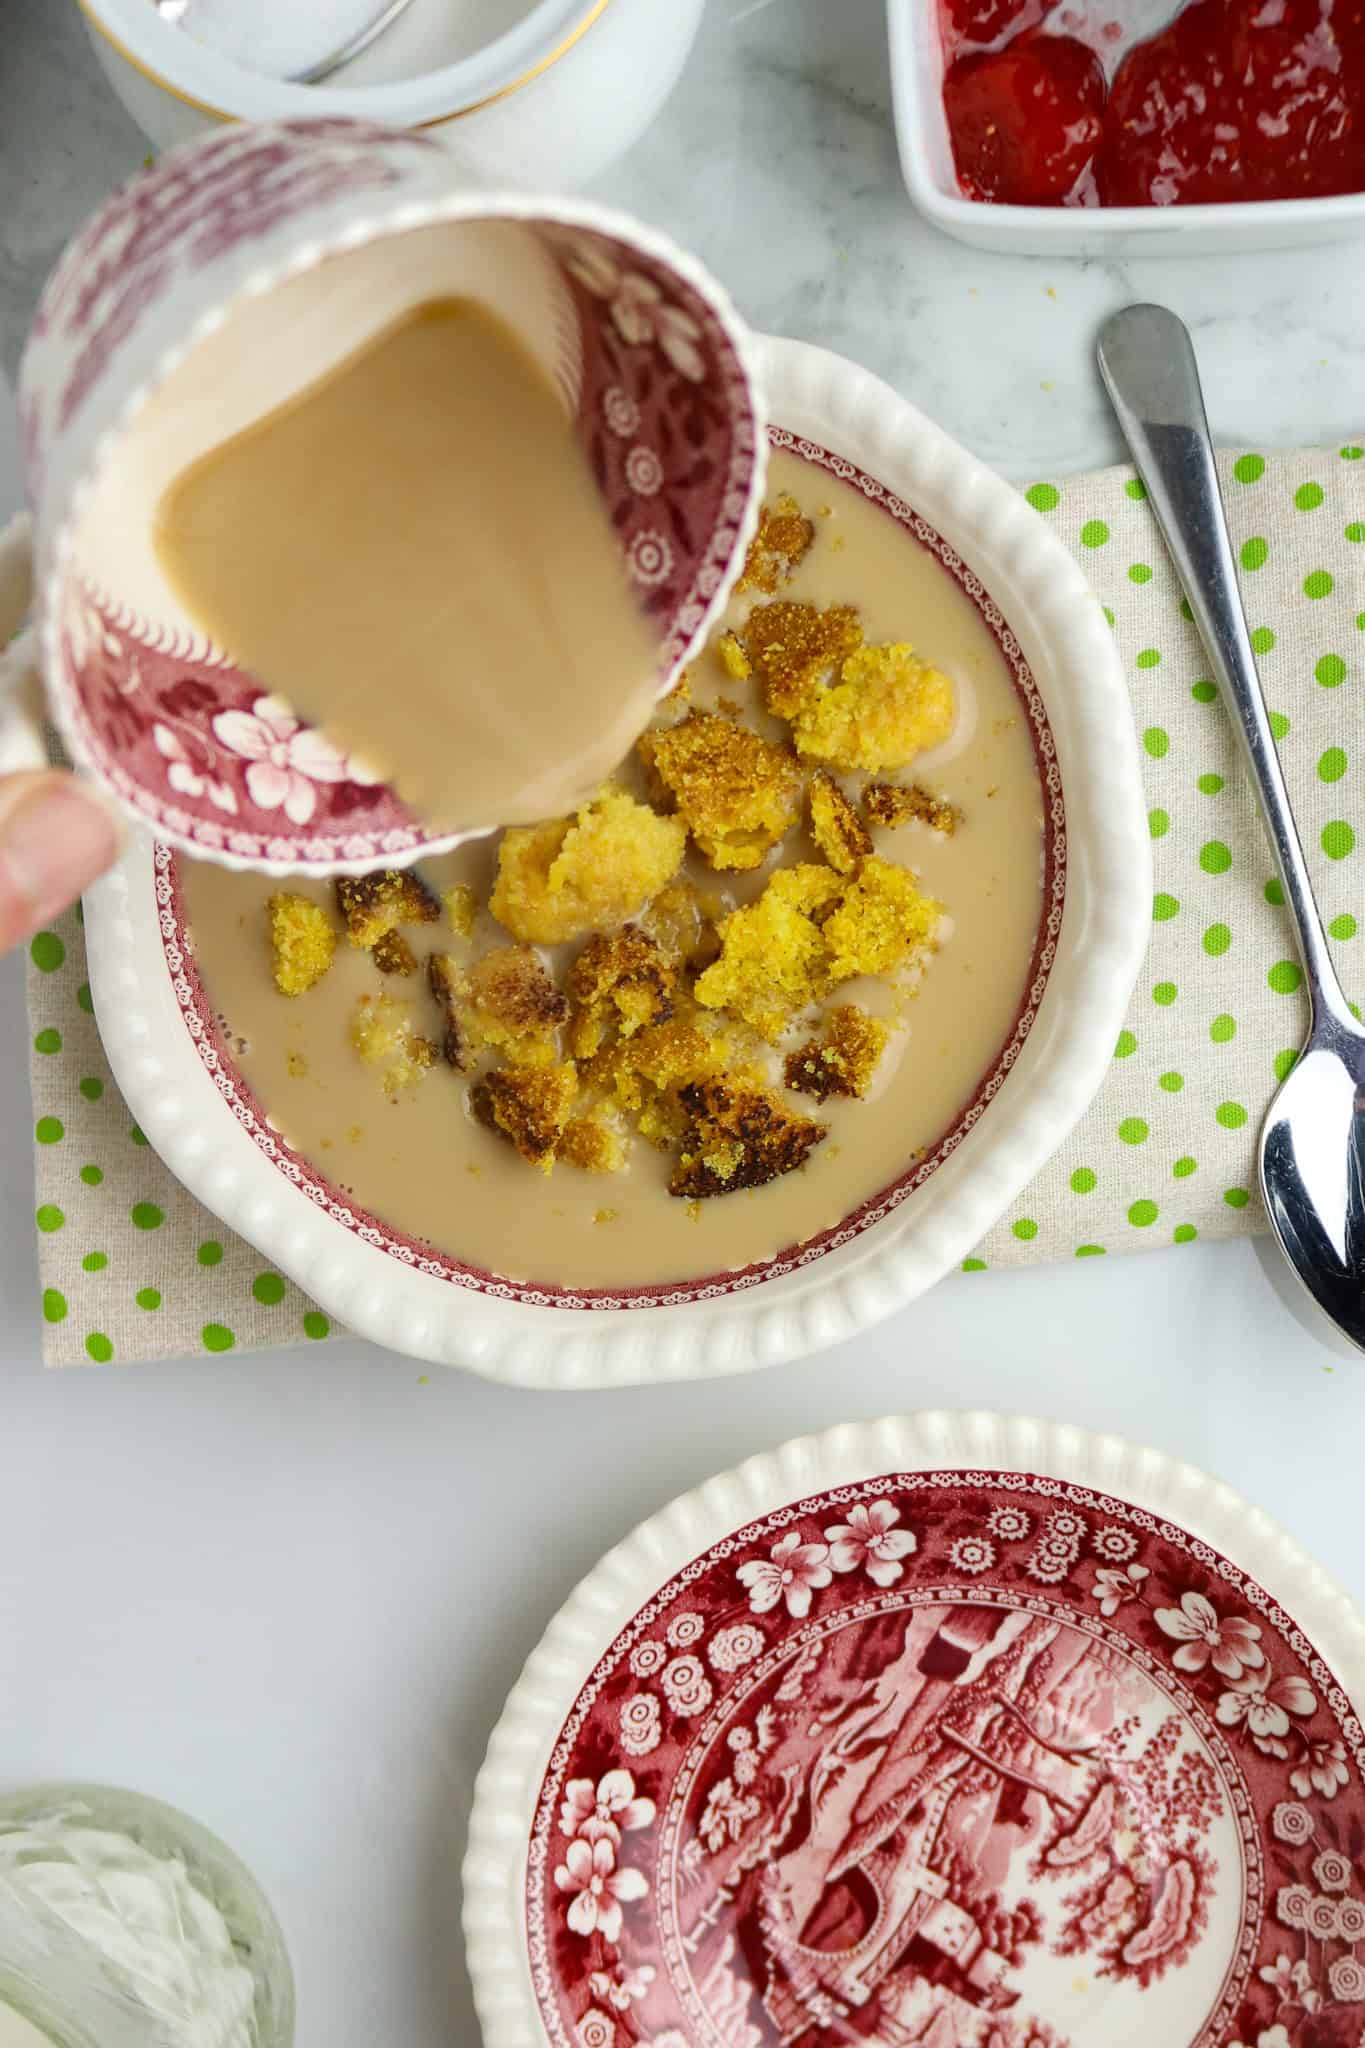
x,y
1234,99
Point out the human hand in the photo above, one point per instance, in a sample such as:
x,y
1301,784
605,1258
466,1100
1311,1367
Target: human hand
x,y
56,836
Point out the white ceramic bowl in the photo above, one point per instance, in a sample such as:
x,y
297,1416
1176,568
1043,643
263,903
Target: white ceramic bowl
x,y
992,1635
1113,231
1053,630
550,103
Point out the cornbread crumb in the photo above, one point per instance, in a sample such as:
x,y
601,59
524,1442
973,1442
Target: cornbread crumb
x,y
736,792
382,1033
835,826
736,1138
461,907
683,923
891,803
592,1146
880,923
393,954
302,941
796,647
618,986
773,956
734,660
507,1003
843,1059
605,1215
809,930
572,876
445,980
782,541
296,1066
886,707
374,904
529,1106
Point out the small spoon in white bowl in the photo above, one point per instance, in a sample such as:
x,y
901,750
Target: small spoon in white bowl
x,y
1312,1150
181,13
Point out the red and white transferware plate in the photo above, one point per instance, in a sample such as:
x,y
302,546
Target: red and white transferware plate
x,y
952,1731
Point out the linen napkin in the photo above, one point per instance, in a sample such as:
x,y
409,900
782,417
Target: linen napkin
x,y
133,1267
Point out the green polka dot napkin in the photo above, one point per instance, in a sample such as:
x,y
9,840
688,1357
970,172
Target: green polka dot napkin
x,y
133,1267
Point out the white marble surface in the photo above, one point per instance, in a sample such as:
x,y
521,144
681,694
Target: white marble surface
x,y
290,1592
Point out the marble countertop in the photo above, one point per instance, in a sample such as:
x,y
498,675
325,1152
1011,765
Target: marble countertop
x,y
290,1592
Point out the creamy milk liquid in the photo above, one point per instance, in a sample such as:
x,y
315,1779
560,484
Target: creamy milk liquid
x,y
414,555
422,1165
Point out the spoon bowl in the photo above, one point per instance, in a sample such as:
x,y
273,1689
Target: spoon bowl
x,y
1312,1147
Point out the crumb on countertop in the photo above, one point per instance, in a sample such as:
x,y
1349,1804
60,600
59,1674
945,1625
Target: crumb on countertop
x,y
835,826
302,942
737,1137
892,803
843,1059
591,872
736,792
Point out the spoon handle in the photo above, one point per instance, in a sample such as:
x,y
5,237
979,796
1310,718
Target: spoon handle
x,y
1147,362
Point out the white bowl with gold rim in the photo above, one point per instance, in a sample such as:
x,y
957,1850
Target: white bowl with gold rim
x,y
181,1084
558,93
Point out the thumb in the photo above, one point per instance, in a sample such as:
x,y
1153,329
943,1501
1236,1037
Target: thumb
x,y
56,836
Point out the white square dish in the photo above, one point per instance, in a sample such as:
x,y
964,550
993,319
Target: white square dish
x,y
926,156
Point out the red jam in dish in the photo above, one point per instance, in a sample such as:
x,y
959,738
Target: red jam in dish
x,y
1232,100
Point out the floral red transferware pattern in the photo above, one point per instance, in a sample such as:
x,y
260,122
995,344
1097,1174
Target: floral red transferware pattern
x,y
958,1759
267,722
653,380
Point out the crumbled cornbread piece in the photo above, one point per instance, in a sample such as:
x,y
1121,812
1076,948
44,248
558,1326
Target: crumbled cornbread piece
x,y
297,1065
382,1033
835,826
681,693
783,540
507,1002
736,792
890,803
796,647
737,1137
588,873
393,954
462,907
886,707
843,1059
735,661
303,940
879,923
445,980
374,904
529,1106
592,1146
773,957
682,922
618,986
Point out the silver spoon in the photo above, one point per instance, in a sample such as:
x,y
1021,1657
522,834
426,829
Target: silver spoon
x,y
181,13
1312,1149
